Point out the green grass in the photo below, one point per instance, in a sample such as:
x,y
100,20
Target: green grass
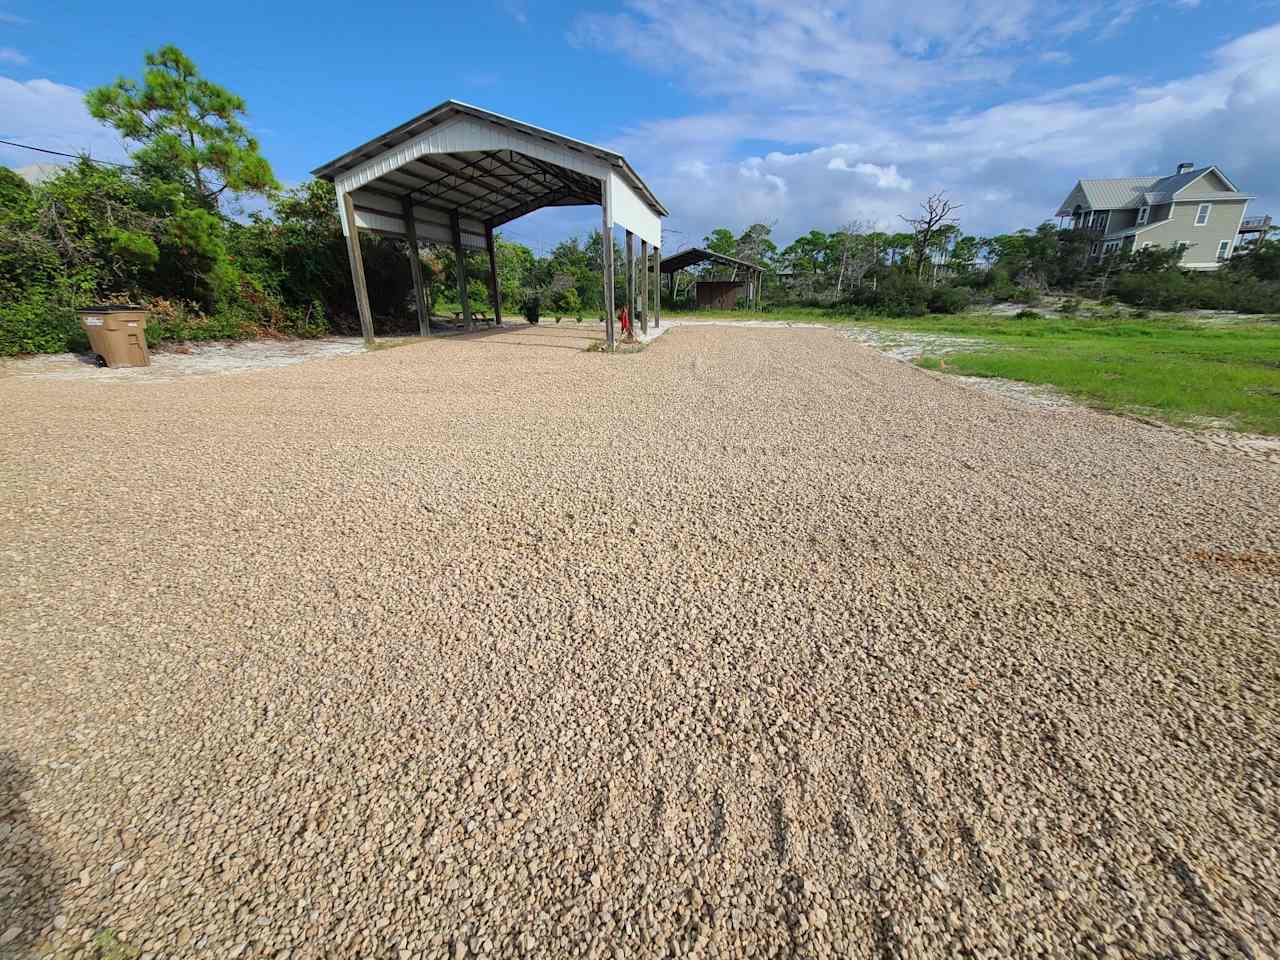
x,y
1176,369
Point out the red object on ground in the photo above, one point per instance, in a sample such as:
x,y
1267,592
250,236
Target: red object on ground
x,y
625,319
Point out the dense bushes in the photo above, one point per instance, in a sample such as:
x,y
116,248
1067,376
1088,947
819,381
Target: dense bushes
x,y
1184,290
900,294
96,233
950,300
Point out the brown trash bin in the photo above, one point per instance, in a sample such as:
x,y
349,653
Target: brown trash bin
x,y
117,334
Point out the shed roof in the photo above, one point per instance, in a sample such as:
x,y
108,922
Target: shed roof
x,y
489,185
695,255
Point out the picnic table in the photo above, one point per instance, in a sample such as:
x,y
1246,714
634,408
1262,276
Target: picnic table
x,y
475,315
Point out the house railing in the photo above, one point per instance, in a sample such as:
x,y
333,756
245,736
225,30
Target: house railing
x,y
1255,223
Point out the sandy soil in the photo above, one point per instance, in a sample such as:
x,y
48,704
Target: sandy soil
x,y
753,643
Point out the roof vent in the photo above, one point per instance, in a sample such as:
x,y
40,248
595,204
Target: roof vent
x,y
1183,168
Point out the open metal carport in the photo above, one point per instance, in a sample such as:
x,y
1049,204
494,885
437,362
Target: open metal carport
x,y
754,273
456,173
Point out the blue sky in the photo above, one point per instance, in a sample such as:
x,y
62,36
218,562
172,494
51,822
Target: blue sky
x,y
735,111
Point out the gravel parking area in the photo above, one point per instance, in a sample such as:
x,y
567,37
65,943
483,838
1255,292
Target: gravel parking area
x,y
754,643
170,362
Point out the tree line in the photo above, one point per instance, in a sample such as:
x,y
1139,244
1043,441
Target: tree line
x,y
159,232
933,265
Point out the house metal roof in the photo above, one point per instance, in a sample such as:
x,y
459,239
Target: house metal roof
x,y
1116,194
1128,192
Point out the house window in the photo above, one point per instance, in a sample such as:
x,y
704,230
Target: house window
x,y
1144,214
1224,248
1202,215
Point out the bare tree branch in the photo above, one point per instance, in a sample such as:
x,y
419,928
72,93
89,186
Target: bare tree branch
x,y
936,212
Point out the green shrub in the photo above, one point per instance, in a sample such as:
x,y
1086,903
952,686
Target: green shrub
x,y
950,300
1070,307
38,324
1028,315
896,295
567,302
531,308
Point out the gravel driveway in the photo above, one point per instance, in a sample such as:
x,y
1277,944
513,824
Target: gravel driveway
x,y
754,643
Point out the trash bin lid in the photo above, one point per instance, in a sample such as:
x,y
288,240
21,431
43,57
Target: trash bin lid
x,y
111,307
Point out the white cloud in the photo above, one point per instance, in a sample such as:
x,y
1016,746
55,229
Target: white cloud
x,y
879,153
12,55
886,178
1056,56
41,113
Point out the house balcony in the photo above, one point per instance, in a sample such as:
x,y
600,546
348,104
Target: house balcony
x,y
1255,224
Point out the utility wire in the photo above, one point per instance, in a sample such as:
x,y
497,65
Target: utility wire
x,y
59,153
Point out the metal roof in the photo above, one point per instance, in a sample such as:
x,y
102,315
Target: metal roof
x,y
694,255
1129,192
1115,194
493,186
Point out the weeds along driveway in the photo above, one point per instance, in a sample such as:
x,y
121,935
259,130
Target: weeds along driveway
x,y
752,642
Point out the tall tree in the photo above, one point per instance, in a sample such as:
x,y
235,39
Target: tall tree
x,y
720,240
188,127
756,244
936,212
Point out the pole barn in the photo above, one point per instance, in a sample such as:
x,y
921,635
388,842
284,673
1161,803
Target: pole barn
x,y
456,173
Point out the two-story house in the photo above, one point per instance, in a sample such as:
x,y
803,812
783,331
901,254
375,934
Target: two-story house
x,y
1197,209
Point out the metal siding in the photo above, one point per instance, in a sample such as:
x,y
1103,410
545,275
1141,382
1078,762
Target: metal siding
x,y
433,225
465,134
629,211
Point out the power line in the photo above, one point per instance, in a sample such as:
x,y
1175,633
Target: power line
x,y
59,153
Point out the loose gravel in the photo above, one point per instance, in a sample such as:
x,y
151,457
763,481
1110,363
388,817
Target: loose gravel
x,y
171,362
752,644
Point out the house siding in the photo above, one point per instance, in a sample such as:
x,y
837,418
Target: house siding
x,y
1224,222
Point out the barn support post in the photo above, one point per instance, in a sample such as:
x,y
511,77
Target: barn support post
x,y
460,259
657,286
415,269
606,262
631,280
644,286
357,270
494,296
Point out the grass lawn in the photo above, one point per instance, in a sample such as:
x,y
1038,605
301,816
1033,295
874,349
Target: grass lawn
x,y
1180,369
